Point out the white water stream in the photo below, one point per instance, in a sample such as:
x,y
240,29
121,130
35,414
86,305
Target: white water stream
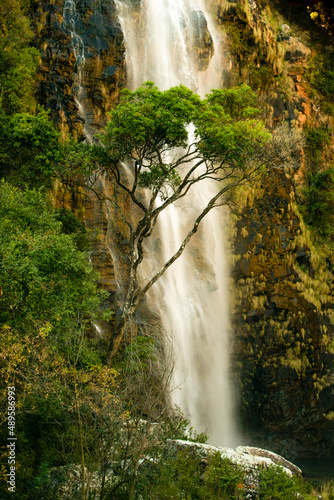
x,y
79,91
161,37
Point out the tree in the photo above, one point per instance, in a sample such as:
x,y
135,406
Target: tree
x,y
18,62
144,131
35,142
45,279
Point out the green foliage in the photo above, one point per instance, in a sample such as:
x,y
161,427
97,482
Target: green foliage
x,y
79,159
238,102
184,475
318,209
17,76
221,479
241,38
153,177
149,119
327,108
316,139
45,280
48,296
18,61
57,397
261,77
227,128
176,476
29,149
149,123
321,73
319,202
73,226
327,489
320,76
139,353
251,54
14,25
277,485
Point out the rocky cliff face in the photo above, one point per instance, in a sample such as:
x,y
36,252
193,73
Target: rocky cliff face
x,y
282,319
282,284
82,71
283,343
58,26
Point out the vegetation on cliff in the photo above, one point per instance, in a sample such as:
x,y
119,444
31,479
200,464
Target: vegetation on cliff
x,y
18,61
282,240
70,407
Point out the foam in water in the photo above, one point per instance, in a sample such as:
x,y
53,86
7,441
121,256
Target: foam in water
x,y
161,39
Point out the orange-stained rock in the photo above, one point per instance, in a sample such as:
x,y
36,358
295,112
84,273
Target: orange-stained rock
x,y
103,70
281,312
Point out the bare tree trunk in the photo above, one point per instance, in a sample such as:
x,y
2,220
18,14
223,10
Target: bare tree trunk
x,y
104,463
117,339
83,489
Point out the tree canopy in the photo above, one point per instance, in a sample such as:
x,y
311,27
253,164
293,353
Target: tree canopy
x,y
148,124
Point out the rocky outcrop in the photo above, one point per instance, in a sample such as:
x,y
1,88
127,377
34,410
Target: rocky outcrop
x,y
272,61
102,72
66,482
247,459
250,459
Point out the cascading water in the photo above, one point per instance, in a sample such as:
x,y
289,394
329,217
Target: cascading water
x,y
165,41
70,21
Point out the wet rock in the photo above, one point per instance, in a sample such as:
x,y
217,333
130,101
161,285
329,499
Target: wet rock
x,y
278,341
203,40
295,50
103,69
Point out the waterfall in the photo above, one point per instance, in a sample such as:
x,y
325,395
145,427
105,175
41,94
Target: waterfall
x,y
71,22
171,42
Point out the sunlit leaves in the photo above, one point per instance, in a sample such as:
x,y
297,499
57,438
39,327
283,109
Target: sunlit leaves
x,y
148,119
149,124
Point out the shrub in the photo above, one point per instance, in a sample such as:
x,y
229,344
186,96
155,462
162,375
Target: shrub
x,y
275,484
316,140
319,202
185,475
29,149
221,479
321,73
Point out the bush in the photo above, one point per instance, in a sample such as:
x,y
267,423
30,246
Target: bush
x,y
221,479
72,225
321,73
18,61
185,475
317,138
277,485
319,202
29,149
